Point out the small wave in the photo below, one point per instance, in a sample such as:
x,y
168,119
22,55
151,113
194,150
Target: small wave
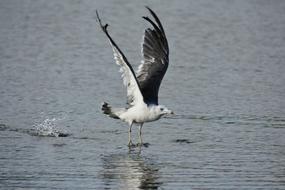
x,y
183,141
3,127
266,121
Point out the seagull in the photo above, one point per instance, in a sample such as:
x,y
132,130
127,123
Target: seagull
x,y
142,86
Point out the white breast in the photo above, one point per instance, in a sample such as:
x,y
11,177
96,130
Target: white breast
x,y
139,114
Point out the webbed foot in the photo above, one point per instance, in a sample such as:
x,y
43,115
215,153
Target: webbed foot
x,y
142,145
130,144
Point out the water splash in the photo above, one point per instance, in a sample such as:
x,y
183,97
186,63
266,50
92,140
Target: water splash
x,y
49,128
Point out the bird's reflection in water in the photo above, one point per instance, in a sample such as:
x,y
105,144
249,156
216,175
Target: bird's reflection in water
x,y
129,171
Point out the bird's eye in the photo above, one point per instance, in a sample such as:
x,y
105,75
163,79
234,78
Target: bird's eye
x,y
161,109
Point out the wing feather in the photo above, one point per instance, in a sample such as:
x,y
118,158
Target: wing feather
x,y
134,94
155,54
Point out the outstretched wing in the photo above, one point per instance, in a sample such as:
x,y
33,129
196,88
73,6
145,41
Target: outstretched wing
x,y
155,60
130,81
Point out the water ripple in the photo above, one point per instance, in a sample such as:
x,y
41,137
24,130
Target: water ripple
x,y
265,121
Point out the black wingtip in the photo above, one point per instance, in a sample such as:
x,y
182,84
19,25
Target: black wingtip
x,y
147,7
103,27
145,17
153,24
150,10
156,18
97,17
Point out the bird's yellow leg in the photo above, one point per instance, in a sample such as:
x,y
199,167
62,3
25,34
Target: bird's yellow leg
x,y
140,135
130,135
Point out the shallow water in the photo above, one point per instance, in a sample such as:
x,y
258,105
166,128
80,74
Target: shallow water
x,y
225,83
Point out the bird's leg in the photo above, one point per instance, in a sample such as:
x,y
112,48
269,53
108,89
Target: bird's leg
x,y
130,138
140,135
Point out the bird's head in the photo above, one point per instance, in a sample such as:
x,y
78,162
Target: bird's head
x,y
162,110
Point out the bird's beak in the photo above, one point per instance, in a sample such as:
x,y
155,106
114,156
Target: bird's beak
x,y
172,113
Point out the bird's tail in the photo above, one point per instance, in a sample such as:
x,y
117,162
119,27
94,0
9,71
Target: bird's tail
x,y
107,109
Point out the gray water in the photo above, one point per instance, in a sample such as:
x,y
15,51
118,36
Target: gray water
x,y
225,83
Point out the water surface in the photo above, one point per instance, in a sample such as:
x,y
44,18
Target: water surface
x,y
225,82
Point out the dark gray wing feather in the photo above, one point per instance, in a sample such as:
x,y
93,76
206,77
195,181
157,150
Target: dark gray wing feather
x,y
155,53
